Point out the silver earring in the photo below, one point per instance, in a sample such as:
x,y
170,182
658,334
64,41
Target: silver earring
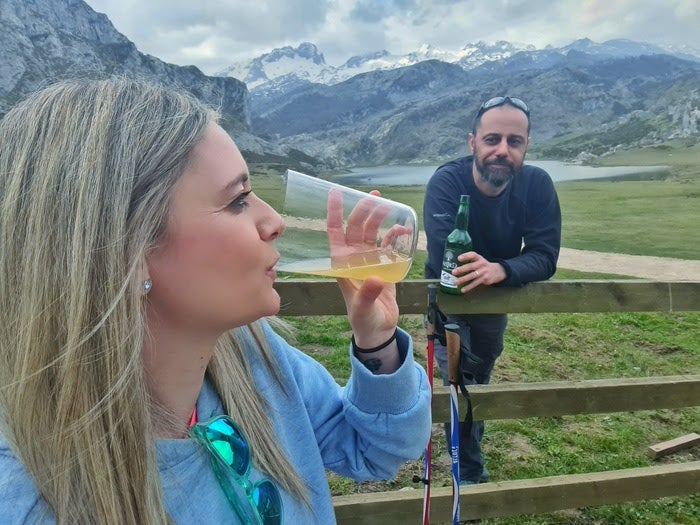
x,y
147,285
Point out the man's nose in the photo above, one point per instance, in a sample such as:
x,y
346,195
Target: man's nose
x,y
502,148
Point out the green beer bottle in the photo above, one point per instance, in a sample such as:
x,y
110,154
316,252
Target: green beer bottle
x,y
457,242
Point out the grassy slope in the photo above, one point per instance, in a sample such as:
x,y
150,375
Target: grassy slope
x,y
648,218
637,217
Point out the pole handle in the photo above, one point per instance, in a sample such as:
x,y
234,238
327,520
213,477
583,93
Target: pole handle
x,y
452,337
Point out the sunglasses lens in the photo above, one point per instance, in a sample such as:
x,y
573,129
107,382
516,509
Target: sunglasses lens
x,y
499,101
228,441
266,498
519,103
493,102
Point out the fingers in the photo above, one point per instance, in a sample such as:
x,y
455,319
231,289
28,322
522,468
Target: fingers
x,y
365,220
394,233
363,224
374,222
369,291
479,272
334,218
361,294
472,273
473,279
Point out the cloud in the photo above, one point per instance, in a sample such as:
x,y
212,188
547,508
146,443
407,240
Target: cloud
x,y
212,34
377,10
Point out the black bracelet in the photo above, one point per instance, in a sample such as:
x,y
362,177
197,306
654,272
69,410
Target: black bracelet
x,y
376,348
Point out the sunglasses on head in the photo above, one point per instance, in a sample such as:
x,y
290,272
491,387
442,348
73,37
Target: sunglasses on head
x,y
500,101
230,456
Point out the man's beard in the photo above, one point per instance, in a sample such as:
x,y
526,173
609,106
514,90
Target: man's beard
x,y
497,174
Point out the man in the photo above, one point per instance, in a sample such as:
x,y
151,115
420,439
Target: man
x,y
515,226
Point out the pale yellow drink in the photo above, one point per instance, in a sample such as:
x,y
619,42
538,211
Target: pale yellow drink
x,y
390,268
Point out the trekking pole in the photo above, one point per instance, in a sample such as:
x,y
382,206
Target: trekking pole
x,y
427,456
452,337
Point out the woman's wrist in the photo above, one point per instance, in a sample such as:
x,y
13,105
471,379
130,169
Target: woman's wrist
x,y
361,350
381,359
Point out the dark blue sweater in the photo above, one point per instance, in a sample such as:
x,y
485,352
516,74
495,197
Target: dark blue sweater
x,y
520,229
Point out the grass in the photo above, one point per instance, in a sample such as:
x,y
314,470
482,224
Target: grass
x,y
636,217
656,218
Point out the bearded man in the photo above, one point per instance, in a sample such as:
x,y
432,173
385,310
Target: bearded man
x,y
515,226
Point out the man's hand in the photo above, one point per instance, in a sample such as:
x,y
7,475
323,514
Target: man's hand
x,y
475,270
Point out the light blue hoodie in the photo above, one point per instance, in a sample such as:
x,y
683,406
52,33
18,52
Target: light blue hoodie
x,y
365,430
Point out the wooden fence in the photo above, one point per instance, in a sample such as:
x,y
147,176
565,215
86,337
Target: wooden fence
x,y
516,401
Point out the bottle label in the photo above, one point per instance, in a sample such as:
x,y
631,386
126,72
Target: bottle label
x,y
448,280
449,263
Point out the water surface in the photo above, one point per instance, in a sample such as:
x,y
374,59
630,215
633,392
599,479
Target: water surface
x,y
411,175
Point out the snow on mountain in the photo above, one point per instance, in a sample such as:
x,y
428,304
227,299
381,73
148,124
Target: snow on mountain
x,y
288,66
306,63
473,55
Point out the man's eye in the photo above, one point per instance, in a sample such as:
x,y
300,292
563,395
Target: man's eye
x,y
240,202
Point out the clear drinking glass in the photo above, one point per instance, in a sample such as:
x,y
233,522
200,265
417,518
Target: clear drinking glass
x,y
333,230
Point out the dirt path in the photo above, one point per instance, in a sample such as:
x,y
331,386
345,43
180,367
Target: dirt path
x,y
641,266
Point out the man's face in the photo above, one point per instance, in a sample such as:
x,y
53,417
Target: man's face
x,y
499,147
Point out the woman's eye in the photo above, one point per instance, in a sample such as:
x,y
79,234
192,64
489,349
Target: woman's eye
x,y
240,202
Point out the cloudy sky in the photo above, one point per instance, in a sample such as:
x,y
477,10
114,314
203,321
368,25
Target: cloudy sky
x,y
212,34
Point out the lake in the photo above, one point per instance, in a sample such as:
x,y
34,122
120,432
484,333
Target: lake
x,y
411,175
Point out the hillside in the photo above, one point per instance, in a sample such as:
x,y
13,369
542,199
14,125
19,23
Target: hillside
x,y
580,107
42,41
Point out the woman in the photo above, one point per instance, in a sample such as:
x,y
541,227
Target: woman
x,y
136,272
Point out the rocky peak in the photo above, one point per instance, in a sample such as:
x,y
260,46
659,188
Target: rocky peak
x,y
42,41
70,17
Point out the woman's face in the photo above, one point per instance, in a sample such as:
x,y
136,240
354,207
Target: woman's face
x,y
214,269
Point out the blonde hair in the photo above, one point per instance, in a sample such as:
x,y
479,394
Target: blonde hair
x,y
86,174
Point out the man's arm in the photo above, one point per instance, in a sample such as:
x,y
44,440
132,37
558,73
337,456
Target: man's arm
x,y
541,238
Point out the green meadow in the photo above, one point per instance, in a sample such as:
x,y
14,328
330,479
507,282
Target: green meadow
x,y
640,217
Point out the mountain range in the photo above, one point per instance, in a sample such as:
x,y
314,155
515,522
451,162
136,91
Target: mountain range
x,y
307,63
587,99
290,107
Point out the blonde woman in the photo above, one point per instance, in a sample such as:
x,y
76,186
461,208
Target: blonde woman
x,y
139,380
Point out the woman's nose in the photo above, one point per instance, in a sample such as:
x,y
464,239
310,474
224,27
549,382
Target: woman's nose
x,y
271,224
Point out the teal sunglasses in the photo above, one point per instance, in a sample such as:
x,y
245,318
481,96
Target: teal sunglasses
x,y
230,456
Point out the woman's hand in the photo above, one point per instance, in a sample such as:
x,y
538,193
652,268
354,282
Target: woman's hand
x,y
372,310
371,304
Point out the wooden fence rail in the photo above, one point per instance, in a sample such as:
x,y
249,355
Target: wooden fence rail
x,y
309,297
531,496
545,399
568,398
